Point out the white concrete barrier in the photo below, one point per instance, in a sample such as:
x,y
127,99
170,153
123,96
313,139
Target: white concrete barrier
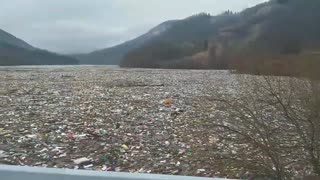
x,y
36,173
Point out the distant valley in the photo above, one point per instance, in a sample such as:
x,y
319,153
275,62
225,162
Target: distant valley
x,y
267,32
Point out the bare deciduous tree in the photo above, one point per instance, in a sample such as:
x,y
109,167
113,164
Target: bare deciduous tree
x,y
272,126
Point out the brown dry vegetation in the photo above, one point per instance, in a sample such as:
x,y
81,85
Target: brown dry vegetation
x,y
272,126
301,65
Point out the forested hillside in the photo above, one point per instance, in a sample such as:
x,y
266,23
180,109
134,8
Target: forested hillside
x,y
268,30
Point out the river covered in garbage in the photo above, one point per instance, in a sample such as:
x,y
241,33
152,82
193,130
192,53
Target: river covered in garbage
x,y
111,119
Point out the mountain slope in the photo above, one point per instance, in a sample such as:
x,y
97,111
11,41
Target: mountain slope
x,y
273,27
13,55
185,39
191,31
14,51
277,27
12,40
267,30
113,55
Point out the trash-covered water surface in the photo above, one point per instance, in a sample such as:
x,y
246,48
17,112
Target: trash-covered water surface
x,y
124,120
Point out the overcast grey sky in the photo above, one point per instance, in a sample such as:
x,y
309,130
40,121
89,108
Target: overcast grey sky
x,y
73,26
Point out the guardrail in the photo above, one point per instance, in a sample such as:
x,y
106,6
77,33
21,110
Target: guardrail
x,y
36,173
